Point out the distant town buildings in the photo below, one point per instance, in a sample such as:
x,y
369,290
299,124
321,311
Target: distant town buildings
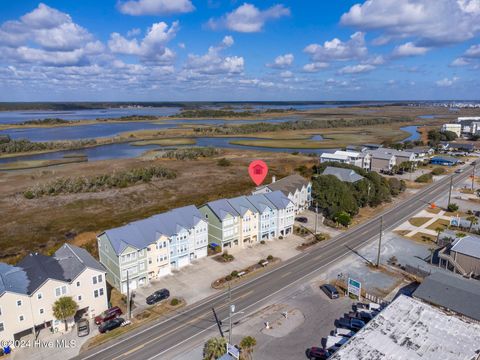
x,y
455,128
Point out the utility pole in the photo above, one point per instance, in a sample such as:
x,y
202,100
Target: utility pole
x,y
450,190
473,176
229,314
380,241
316,217
219,323
128,296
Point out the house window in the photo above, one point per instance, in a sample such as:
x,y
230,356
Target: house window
x,y
101,292
79,297
59,291
98,293
19,302
142,266
78,283
21,318
39,296
94,279
41,311
95,293
1,327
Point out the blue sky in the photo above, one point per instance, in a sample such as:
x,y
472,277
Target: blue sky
x,y
162,50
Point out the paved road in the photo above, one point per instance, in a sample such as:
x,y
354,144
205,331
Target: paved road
x,y
155,340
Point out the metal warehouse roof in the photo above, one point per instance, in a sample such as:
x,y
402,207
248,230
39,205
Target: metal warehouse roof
x,y
452,292
468,245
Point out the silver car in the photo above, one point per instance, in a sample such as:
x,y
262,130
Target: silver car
x,y
83,327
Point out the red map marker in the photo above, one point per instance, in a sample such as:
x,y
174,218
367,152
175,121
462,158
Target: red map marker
x,y
258,171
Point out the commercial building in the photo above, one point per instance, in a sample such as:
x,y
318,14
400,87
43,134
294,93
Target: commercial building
x,y
295,187
455,128
444,160
452,293
412,329
29,290
147,249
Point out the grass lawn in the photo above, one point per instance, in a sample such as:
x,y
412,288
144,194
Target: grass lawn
x,y
440,223
35,164
435,210
422,237
418,221
165,142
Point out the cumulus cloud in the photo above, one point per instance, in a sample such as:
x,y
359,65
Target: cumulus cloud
x,y
446,82
155,7
460,62
473,52
286,74
282,61
409,49
315,67
446,22
47,36
356,69
213,63
248,18
338,50
151,48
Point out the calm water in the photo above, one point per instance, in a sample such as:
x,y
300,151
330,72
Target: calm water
x,y
93,131
414,134
125,150
15,117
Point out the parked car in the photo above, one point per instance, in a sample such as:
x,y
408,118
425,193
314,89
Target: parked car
x,y
317,353
458,171
301,219
157,296
365,316
333,343
351,324
330,290
477,213
343,332
83,327
110,325
108,314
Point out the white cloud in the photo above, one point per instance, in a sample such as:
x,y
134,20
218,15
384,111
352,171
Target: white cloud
x,y
446,82
286,74
473,51
151,48
213,63
282,61
445,22
155,7
459,62
336,49
356,69
248,18
409,49
315,67
134,32
45,17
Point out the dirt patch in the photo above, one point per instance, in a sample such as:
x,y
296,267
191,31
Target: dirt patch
x,y
424,238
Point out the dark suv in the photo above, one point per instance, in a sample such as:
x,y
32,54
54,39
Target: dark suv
x,y
158,296
107,315
110,325
330,290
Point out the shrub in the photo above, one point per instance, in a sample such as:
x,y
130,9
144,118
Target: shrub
x,y
438,171
224,162
452,207
270,257
228,277
425,178
343,218
280,237
261,261
262,242
175,302
234,274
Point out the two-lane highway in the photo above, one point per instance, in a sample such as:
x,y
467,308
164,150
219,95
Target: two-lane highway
x,y
154,340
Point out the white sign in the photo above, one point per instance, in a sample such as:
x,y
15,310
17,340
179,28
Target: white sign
x,y
232,350
354,287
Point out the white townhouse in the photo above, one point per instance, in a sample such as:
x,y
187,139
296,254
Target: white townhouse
x,y
29,290
150,248
360,159
294,187
285,214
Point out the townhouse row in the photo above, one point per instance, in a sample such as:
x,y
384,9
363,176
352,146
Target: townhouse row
x,y
151,248
29,290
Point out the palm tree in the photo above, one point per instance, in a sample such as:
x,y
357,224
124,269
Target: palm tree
x,y
64,308
439,230
473,221
214,348
247,344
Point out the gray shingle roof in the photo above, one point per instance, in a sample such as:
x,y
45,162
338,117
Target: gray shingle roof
x,y
468,245
242,205
13,279
261,202
380,154
140,234
452,292
347,175
289,184
278,199
221,208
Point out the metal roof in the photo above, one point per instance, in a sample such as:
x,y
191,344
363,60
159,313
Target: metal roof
x,y
13,279
334,156
452,292
289,184
468,245
347,175
241,204
444,158
222,208
261,202
278,199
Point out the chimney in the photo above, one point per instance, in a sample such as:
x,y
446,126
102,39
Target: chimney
x,y
273,179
